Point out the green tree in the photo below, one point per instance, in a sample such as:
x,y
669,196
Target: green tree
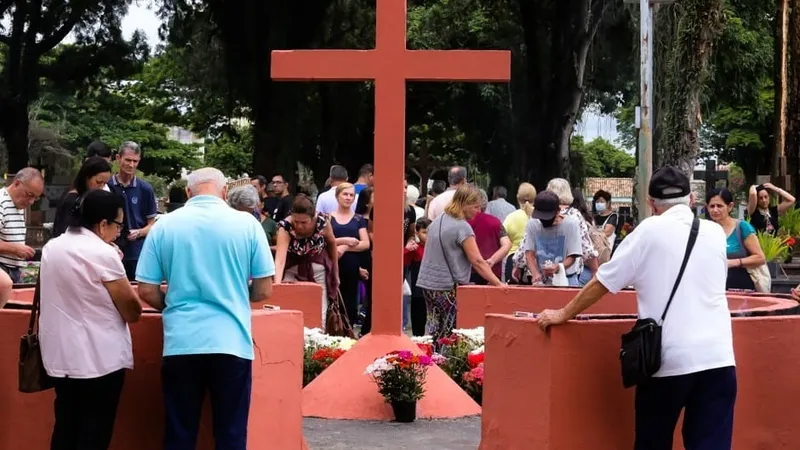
x,y
111,117
602,159
233,155
33,30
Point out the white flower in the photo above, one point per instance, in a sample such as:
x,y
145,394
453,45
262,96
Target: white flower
x,y
473,336
422,339
477,351
377,368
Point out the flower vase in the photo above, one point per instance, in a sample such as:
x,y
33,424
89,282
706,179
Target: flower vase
x,y
404,412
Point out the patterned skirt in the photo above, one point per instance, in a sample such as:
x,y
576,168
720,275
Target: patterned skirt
x,y
441,306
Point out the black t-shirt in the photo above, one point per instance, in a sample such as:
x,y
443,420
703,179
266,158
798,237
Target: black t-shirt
x,y
602,221
63,212
278,208
761,223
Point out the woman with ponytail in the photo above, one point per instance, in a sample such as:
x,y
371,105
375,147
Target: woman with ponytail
x,y
516,222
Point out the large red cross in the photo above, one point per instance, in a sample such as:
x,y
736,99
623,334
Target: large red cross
x,y
390,64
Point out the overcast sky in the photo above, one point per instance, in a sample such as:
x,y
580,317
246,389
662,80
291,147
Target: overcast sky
x,y
139,17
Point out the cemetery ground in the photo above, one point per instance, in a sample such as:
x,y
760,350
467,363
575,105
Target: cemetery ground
x,y
455,434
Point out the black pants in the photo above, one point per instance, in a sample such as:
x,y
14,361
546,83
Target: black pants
x,y
186,379
366,327
130,268
419,315
708,398
348,286
85,411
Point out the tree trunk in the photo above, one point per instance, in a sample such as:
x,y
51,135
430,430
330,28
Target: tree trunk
x,y
793,89
14,131
557,39
699,27
781,86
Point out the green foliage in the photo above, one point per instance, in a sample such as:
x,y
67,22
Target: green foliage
x,y
775,248
789,222
601,158
233,155
110,115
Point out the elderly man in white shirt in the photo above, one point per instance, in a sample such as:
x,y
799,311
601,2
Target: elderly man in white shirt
x,y
456,177
326,202
697,371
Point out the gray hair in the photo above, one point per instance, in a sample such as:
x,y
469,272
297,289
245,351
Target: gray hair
x,y
338,173
663,204
457,175
412,194
243,198
28,174
561,188
207,175
500,192
131,147
484,199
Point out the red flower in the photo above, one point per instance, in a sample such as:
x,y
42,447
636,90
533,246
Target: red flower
x,y
427,348
790,242
473,359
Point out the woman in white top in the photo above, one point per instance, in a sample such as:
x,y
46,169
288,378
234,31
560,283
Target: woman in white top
x,y
86,305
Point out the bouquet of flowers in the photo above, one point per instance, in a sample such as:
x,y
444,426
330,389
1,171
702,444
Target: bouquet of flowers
x,y
473,383
457,348
400,376
320,351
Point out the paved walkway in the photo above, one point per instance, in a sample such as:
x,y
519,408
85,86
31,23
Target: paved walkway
x,y
458,434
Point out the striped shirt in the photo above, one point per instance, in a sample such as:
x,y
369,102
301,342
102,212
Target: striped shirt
x,y
12,228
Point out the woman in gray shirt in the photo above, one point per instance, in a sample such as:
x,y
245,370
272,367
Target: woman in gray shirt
x,y
450,255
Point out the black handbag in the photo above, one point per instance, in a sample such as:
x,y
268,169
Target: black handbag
x,y
32,375
640,354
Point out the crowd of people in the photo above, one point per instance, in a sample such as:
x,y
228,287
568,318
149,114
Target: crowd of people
x,y
108,233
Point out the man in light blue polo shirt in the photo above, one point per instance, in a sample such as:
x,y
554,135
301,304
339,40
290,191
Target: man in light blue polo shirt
x,y
206,252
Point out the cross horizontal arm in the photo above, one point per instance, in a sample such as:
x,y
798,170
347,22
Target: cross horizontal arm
x,y
329,65
458,65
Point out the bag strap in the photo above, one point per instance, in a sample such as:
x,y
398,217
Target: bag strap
x,y
689,246
444,253
33,322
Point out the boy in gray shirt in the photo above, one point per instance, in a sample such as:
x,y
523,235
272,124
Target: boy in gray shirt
x,y
552,239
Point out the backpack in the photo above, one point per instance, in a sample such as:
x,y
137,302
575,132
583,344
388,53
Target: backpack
x,y
600,243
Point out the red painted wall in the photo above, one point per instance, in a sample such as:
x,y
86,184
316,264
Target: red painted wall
x,y
562,390
303,297
474,302
275,410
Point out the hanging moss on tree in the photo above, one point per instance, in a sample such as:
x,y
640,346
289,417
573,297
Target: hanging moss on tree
x,y
700,24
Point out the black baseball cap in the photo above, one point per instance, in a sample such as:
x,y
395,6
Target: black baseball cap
x,y
669,182
546,206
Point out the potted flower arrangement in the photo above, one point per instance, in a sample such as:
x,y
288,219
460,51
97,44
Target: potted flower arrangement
x,y
400,376
775,250
789,223
456,348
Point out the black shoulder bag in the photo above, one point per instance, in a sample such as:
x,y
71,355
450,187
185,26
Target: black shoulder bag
x,y
640,355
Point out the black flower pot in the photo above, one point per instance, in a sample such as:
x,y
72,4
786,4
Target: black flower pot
x,y
404,412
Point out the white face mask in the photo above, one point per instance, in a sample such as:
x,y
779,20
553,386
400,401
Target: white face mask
x,y
600,207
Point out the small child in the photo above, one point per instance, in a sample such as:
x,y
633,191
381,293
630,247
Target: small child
x,y
419,312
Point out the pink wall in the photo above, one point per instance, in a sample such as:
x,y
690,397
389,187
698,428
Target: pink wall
x,y
275,410
562,390
474,302
303,297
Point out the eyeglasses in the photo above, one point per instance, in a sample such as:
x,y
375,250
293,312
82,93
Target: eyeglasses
x,y
119,224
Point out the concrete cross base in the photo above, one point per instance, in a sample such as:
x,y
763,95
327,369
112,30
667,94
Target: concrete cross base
x,y
342,391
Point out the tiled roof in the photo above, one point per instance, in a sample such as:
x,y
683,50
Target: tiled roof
x,y
617,187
